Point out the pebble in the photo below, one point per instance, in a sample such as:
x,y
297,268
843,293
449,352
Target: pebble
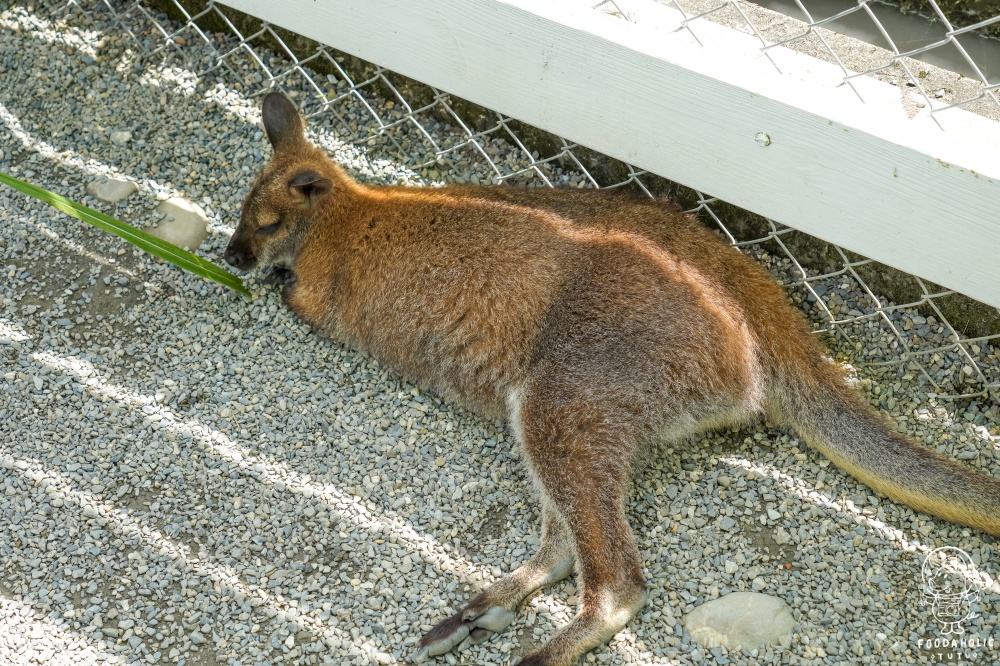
x,y
188,475
121,138
111,190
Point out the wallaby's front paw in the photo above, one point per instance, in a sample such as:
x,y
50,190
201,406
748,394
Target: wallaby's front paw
x,y
280,275
288,290
472,625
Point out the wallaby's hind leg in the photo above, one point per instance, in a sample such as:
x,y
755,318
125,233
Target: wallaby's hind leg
x,y
493,609
583,461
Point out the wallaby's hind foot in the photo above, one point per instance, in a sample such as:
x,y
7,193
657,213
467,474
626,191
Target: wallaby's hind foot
x,y
473,624
596,623
491,611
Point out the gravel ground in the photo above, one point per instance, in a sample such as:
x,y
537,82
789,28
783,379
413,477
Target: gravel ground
x,y
190,476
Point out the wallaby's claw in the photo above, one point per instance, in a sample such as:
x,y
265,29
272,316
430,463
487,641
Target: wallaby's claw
x,y
462,629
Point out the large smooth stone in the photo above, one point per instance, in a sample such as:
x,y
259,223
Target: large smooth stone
x,y
111,190
186,224
747,619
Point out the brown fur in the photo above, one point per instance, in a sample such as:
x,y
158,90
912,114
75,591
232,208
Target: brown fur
x,y
594,323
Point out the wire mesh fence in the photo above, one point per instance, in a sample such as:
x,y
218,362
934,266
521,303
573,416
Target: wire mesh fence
x,y
935,335
955,34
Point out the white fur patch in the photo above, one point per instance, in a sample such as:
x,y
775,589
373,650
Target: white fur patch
x,y
514,401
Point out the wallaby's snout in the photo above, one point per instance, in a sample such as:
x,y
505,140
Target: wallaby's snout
x,y
238,256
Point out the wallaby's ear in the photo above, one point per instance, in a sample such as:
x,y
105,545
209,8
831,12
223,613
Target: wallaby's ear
x,y
307,185
281,121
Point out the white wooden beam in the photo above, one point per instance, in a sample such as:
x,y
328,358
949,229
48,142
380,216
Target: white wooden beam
x,y
856,173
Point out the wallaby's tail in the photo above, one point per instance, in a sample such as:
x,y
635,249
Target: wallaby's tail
x,y
834,420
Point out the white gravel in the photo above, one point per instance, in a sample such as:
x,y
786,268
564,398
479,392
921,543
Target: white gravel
x,y
190,476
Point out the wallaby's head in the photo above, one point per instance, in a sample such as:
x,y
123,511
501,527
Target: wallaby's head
x,y
280,206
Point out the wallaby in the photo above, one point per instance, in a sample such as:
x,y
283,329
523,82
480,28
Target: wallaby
x,y
593,322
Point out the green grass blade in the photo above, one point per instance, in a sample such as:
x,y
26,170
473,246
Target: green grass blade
x,y
144,241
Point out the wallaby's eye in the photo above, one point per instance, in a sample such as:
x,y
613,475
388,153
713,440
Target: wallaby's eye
x,y
269,229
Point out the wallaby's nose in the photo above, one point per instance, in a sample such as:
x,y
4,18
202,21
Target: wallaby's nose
x,y
233,257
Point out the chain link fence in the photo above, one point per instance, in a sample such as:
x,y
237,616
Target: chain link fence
x,y
928,333
960,35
